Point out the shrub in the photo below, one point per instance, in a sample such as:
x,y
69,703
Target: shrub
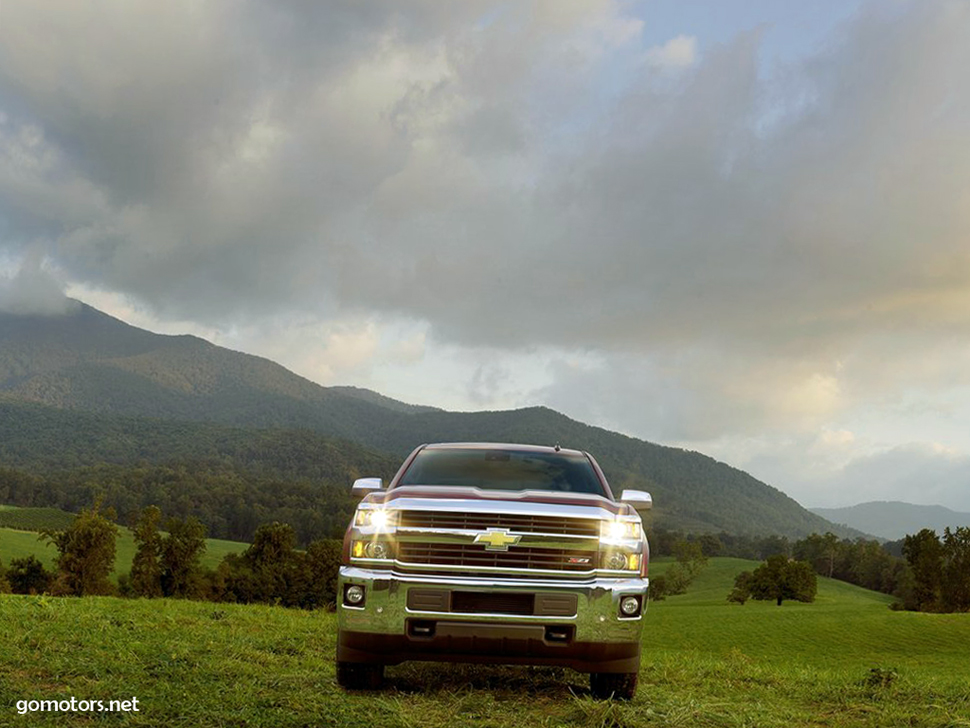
x,y
778,578
27,575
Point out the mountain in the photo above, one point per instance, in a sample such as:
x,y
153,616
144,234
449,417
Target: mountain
x,y
89,361
892,519
370,396
103,391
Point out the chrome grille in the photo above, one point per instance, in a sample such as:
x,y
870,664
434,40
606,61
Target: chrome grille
x,y
548,559
518,522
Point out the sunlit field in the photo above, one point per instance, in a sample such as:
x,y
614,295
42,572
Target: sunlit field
x,y
846,660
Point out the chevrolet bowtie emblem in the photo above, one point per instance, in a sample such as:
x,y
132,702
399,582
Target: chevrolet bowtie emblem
x,y
497,539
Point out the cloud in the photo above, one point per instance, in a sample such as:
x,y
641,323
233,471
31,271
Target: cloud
x,y
693,395
727,249
678,52
922,473
34,290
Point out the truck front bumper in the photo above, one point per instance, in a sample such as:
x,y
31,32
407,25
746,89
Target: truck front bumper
x,y
414,617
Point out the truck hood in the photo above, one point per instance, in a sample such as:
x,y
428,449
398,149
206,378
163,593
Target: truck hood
x,y
455,498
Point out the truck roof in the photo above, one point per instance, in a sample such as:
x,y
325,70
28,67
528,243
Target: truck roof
x,y
500,446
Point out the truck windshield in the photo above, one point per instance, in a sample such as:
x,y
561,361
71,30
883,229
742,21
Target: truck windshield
x,y
503,470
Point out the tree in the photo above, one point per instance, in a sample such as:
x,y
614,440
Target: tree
x,y
831,549
323,564
924,553
821,551
27,575
690,556
275,564
781,578
658,588
742,588
956,569
181,551
86,553
773,545
146,570
690,562
711,545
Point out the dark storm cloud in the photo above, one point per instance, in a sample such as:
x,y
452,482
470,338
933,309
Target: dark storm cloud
x,y
515,175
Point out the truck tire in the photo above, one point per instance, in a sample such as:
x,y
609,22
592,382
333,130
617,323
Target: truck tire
x,y
359,675
615,685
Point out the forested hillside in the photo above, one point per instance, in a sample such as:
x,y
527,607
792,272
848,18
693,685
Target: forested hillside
x,y
127,398
222,469
92,362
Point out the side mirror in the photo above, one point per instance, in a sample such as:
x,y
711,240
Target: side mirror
x,y
639,499
363,486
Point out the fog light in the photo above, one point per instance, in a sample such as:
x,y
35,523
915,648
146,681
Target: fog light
x,y
616,561
629,606
376,550
354,594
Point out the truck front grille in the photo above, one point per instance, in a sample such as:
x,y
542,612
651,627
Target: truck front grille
x,y
521,523
515,558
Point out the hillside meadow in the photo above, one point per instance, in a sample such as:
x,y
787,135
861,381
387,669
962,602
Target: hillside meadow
x,y
846,660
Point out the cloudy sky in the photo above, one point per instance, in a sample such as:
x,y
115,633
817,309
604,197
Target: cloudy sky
x,y
736,226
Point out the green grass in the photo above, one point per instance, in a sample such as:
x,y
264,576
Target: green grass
x,y
705,663
15,544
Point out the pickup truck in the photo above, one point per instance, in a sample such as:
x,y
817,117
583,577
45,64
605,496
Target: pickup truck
x,y
494,553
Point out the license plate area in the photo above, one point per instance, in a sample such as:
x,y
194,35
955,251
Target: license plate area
x,y
492,602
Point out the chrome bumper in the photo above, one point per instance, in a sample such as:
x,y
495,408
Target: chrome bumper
x,y
385,629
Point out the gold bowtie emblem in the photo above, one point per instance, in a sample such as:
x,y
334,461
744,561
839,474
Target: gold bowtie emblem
x,y
497,539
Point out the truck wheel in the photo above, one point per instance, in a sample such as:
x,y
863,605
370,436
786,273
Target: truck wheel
x,y
616,685
359,675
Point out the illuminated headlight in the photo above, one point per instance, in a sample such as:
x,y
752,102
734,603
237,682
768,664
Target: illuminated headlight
x,y
619,530
374,517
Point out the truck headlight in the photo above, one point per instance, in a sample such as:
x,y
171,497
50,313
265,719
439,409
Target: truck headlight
x,y
619,530
377,550
371,550
616,561
621,561
379,518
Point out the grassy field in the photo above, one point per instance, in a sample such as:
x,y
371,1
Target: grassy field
x,y
17,543
705,663
34,519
